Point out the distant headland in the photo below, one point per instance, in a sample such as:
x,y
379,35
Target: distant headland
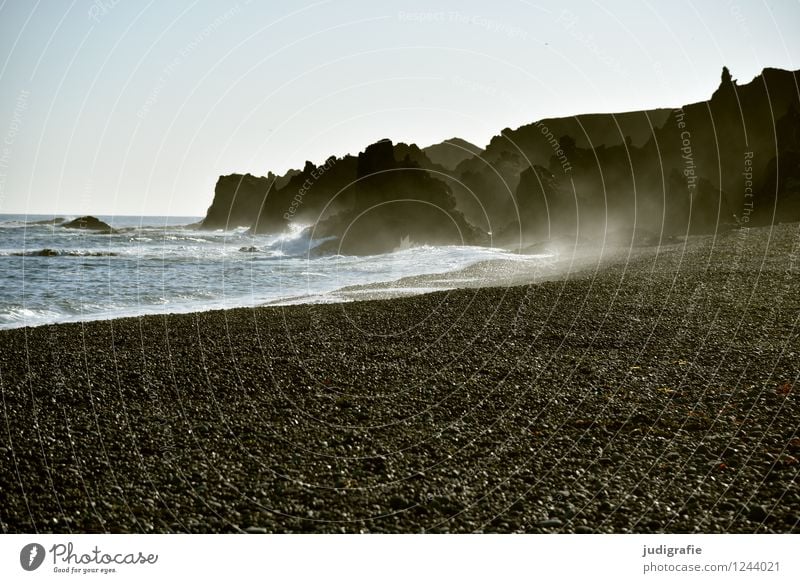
x,y
636,176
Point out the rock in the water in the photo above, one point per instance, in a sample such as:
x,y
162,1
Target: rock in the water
x,y
249,249
89,223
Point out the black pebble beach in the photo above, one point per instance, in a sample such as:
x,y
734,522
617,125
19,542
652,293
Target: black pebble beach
x,y
657,394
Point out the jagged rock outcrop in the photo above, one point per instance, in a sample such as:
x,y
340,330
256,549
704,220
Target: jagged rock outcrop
x,y
369,203
238,199
393,200
689,175
645,175
88,223
450,153
310,194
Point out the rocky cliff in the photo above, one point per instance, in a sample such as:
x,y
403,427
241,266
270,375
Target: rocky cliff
x,y
731,160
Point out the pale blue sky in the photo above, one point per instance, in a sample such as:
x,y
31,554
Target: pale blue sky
x,y
134,107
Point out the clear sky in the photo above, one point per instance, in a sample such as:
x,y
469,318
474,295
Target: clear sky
x,y
136,107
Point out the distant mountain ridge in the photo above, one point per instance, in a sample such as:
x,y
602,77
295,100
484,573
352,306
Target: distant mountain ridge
x,y
635,176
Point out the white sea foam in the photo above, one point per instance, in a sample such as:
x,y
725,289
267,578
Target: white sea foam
x,y
171,269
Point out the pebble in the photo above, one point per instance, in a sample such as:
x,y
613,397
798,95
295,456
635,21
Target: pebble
x,y
757,513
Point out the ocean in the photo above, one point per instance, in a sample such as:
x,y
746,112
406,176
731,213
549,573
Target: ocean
x,y
159,265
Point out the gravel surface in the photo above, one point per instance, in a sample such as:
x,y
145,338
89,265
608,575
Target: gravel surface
x,y
656,394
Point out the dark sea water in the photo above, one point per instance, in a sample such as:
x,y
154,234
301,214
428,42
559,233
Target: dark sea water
x,y
157,265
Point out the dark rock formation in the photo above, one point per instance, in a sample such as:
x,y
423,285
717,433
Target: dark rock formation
x,y
48,252
639,176
88,223
369,203
777,199
238,199
392,201
687,177
308,195
450,153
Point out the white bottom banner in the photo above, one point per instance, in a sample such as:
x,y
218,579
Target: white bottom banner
x,y
354,558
